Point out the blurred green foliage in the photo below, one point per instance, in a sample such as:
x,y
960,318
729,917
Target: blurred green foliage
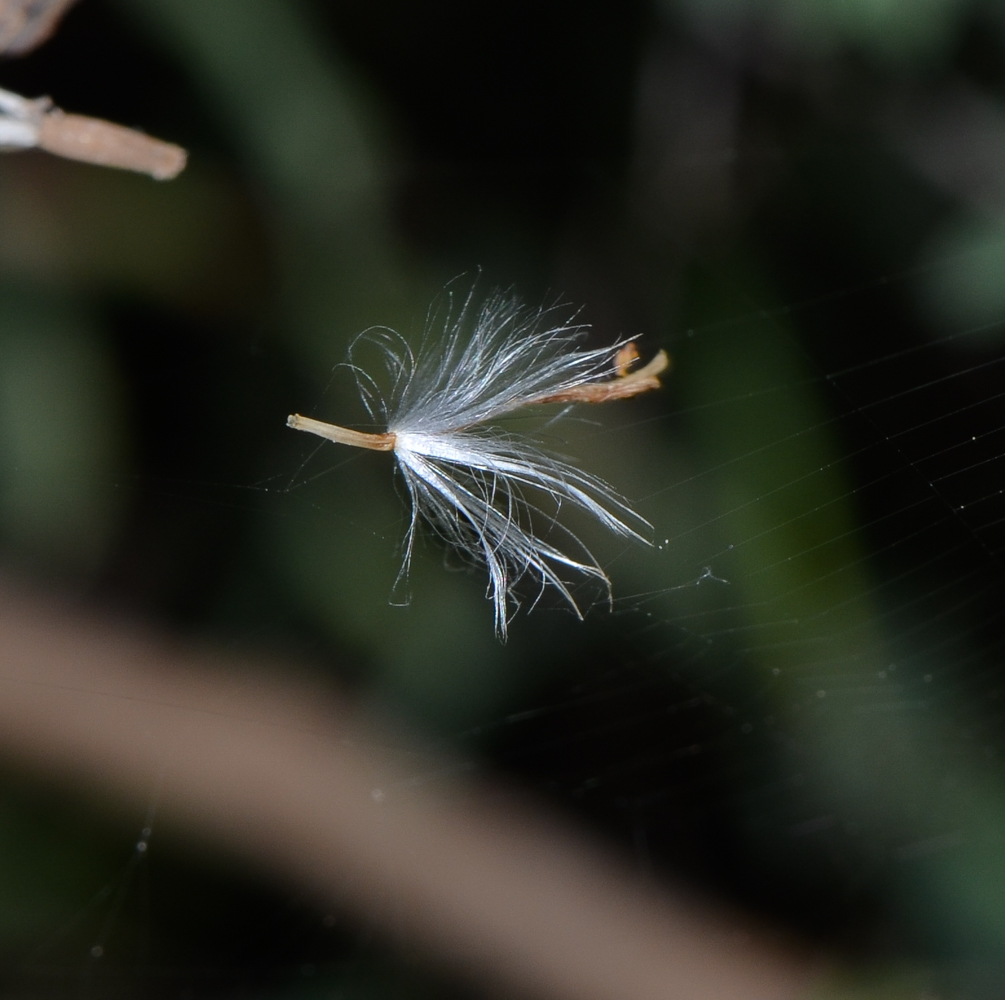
x,y
61,414
888,30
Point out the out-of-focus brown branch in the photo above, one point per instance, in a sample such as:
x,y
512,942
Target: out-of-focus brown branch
x,y
26,24
292,782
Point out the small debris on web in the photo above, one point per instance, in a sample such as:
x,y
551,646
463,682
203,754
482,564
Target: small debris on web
x,y
474,482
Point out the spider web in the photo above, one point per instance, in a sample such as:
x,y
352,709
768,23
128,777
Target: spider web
x,y
795,700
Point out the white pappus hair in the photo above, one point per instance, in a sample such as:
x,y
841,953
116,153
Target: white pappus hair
x,y
478,485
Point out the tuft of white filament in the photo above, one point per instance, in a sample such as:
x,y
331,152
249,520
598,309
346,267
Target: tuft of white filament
x,y
492,494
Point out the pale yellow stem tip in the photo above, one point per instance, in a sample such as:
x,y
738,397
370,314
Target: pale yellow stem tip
x,y
341,435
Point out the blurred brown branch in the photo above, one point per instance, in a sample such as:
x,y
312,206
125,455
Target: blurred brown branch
x,y
266,768
26,24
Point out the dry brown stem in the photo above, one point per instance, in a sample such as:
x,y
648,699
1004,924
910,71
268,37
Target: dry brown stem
x,y
622,386
341,435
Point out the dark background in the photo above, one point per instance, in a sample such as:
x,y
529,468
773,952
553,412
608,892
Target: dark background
x,y
794,704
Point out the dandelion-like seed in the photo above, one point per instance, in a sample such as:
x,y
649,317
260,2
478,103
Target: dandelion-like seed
x,y
479,486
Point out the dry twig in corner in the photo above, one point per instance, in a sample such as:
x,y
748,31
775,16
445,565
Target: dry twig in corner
x,y
28,124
